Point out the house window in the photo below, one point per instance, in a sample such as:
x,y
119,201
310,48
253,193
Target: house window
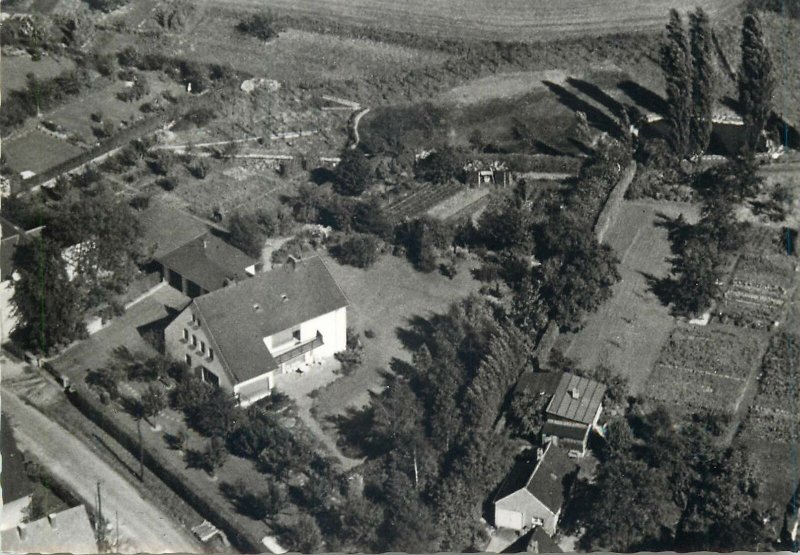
x,y
188,360
296,334
202,346
185,334
194,340
210,353
208,376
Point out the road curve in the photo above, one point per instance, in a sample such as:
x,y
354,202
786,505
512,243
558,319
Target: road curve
x,y
142,526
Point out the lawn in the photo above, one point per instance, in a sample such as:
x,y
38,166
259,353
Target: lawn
x,y
15,70
522,20
384,299
37,151
628,331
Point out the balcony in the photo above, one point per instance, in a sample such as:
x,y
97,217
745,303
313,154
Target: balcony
x,y
301,349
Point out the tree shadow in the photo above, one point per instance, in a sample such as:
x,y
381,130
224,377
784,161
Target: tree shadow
x,y
544,148
581,146
676,228
322,175
415,334
644,97
596,117
662,288
353,429
599,95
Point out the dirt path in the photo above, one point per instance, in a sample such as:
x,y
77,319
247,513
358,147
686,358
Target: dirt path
x,y
142,526
356,119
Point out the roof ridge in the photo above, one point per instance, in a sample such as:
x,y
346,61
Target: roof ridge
x,y
346,298
213,339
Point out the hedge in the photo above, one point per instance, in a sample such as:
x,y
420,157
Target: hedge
x,y
613,203
91,408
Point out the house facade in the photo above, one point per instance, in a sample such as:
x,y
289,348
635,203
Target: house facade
x,y
241,337
533,498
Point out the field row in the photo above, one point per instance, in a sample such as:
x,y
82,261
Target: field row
x,y
507,20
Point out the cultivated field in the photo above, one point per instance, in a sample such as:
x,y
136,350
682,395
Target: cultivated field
x,y
628,331
705,367
519,20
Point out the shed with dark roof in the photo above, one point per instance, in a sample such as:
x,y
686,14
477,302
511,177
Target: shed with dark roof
x,y
577,399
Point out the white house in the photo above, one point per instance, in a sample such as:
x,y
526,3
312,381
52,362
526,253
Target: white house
x,y
528,499
239,337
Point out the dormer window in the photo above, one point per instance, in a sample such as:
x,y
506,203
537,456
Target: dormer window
x,y
296,334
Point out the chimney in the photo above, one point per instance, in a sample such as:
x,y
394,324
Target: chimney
x,y
53,522
575,393
539,453
21,530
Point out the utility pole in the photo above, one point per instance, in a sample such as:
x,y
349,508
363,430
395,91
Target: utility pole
x,y
116,515
99,504
141,449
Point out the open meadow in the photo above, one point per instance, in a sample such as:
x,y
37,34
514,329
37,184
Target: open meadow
x,y
37,151
628,331
510,20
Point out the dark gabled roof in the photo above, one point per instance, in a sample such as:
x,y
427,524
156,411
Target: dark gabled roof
x,y
551,428
208,261
547,481
581,409
544,383
542,542
165,228
517,479
240,316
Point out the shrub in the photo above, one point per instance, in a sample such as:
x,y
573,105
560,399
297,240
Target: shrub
x,y
441,166
359,250
262,26
352,173
199,169
168,183
258,504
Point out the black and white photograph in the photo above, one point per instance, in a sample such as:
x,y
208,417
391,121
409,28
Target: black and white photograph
x,y
417,276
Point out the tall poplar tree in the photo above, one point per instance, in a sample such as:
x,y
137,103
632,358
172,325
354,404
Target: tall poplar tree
x,y
676,64
703,81
756,82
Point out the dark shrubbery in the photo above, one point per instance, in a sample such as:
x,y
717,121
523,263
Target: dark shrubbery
x,y
262,26
352,174
360,250
441,166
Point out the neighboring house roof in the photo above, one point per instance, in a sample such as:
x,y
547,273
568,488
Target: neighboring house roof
x,y
544,383
576,398
14,512
165,228
540,542
66,532
547,480
12,234
551,428
240,316
208,261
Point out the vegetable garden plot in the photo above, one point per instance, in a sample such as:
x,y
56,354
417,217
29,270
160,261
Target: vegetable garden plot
x,y
759,290
705,367
775,412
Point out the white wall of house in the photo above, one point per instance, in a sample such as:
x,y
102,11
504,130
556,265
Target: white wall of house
x,y
521,510
8,321
178,347
333,327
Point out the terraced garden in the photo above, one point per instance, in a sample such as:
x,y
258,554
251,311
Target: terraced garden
x,y
421,200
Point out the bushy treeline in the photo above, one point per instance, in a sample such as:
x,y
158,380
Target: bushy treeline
x,y
40,95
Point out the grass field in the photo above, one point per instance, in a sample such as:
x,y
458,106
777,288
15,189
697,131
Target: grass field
x,y
37,151
14,70
297,56
519,20
628,331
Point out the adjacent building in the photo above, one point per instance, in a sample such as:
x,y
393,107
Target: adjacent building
x,y
241,336
573,412
10,236
69,531
534,497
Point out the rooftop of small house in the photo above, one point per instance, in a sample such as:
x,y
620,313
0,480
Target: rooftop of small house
x,y
576,398
240,316
165,228
543,478
69,531
209,262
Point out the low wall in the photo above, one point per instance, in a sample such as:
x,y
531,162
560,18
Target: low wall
x,y
614,202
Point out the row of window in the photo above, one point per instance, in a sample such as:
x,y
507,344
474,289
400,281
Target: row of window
x,y
205,374
194,340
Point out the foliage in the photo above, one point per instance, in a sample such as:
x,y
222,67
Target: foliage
x,y
676,65
154,400
106,6
526,414
696,286
352,173
40,95
49,306
263,26
441,166
359,250
174,15
256,503
304,535
756,82
421,238
703,81
37,507
214,455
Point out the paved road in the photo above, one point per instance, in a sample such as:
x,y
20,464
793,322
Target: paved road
x,y
143,527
